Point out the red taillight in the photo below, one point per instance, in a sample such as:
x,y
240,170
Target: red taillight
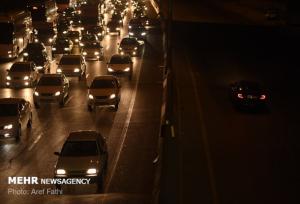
x,y
262,97
240,95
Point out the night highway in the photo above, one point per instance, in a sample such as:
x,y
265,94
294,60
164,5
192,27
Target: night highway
x,y
186,129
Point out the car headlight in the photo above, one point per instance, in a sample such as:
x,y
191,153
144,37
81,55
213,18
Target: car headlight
x,y
110,69
129,27
53,48
76,40
107,29
117,28
84,53
25,54
76,70
143,33
99,34
57,93
36,93
131,33
66,49
36,40
112,96
64,32
59,70
81,44
127,69
39,67
26,78
120,48
8,78
120,21
96,53
91,96
91,171
8,127
135,48
50,40
60,172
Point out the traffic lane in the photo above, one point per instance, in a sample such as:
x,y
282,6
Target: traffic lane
x,y
248,150
135,170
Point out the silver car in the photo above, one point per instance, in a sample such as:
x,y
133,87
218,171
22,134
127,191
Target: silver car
x,y
83,155
15,116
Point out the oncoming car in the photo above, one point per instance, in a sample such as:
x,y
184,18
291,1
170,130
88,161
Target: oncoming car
x,y
15,116
120,64
92,51
83,155
130,46
72,66
51,88
104,91
22,74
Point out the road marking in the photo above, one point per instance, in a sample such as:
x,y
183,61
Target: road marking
x,y
203,131
69,99
125,128
35,142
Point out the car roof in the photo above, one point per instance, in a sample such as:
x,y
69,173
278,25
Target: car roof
x,y
11,100
84,135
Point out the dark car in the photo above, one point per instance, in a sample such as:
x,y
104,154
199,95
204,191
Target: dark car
x,y
45,34
120,64
88,38
62,45
113,27
15,116
83,155
96,30
130,46
33,48
74,36
138,32
248,94
63,27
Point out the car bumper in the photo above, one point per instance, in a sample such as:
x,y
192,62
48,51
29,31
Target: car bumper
x,y
18,84
47,99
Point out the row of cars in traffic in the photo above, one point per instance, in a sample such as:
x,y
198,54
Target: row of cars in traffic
x,y
84,153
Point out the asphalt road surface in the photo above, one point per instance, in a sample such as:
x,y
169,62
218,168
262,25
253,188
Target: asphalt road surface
x,y
221,155
131,132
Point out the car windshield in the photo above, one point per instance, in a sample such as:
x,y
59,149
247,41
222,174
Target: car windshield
x,y
20,68
128,41
69,60
73,34
50,81
62,41
103,84
88,38
120,60
93,46
79,149
9,110
35,46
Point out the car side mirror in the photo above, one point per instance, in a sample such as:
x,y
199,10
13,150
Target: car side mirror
x,y
57,153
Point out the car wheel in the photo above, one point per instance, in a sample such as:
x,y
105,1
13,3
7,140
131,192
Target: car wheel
x,y
116,107
19,133
36,105
90,108
62,102
29,123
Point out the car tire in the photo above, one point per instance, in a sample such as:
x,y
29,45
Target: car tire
x,y
62,102
29,123
36,105
19,133
90,108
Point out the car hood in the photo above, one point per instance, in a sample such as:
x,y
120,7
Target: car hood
x,y
102,92
48,89
78,163
8,120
